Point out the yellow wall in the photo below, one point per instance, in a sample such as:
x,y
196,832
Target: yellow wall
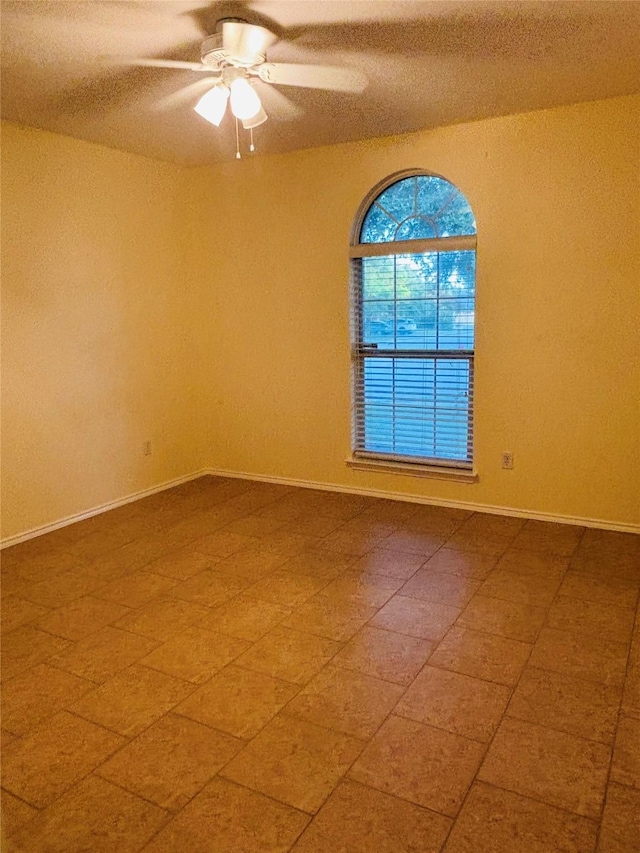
x,y
206,310
98,328
556,197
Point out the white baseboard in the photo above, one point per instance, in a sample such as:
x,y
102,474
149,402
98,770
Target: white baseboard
x,y
96,510
409,498
327,487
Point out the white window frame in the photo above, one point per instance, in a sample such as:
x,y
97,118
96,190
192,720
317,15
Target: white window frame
x,y
461,470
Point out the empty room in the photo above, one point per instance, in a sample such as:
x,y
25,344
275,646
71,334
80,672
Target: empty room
x,y
320,426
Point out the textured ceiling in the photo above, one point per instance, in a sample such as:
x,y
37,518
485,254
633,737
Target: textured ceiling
x,y
428,64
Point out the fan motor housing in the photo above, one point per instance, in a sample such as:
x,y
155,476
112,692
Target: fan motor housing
x,y
213,55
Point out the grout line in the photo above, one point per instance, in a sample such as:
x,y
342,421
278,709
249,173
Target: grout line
x,y
615,735
359,516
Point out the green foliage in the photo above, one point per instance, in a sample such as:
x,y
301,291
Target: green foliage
x,y
415,208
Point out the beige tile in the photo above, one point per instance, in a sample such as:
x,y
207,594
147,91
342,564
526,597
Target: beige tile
x,y
323,565
625,767
389,511
503,822
394,564
6,738
294,762
481,655
225,817
289,544
129,558
607,565
18,611
38,768
429,585
255,526
346,701
336,620
505,618
424,544
181,564
533,563
355,539
162,618
25,647
246,618
209,588
568,704
100,656
94,816
554,767
549,538
359,820
595,618
621,592
34,695
14,585
281,587
136,589
15,813
195,654
38,567
61,589
620,829
468,564
289,508
132,700
100,542
374,590
238,701
494,525
171,761
441,520
631,694
419,763
311,524
289,655
256,497
467,540
538,590
600,542
425,619
457,703
251,563
590,658
83,616
223,544
337,504
385,654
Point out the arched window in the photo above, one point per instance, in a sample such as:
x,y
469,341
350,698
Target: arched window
x,y
413,285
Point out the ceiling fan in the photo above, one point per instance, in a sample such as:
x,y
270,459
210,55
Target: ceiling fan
x,y
236,55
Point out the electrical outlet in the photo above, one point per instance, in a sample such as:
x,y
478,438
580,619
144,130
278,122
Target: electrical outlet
x,y
146,448
507,461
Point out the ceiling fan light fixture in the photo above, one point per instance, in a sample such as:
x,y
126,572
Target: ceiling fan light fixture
x,y
259,118
245,103
213,104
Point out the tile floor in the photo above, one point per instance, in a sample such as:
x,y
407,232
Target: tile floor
x,y
235,666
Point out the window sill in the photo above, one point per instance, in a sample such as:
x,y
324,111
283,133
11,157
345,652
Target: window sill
x,y
410,469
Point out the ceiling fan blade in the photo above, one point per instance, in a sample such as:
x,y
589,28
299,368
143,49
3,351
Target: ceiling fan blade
x,y
157,63
186,93
313,76
278,104
245,43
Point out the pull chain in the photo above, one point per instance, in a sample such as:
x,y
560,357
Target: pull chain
x,y
237,142
252,147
